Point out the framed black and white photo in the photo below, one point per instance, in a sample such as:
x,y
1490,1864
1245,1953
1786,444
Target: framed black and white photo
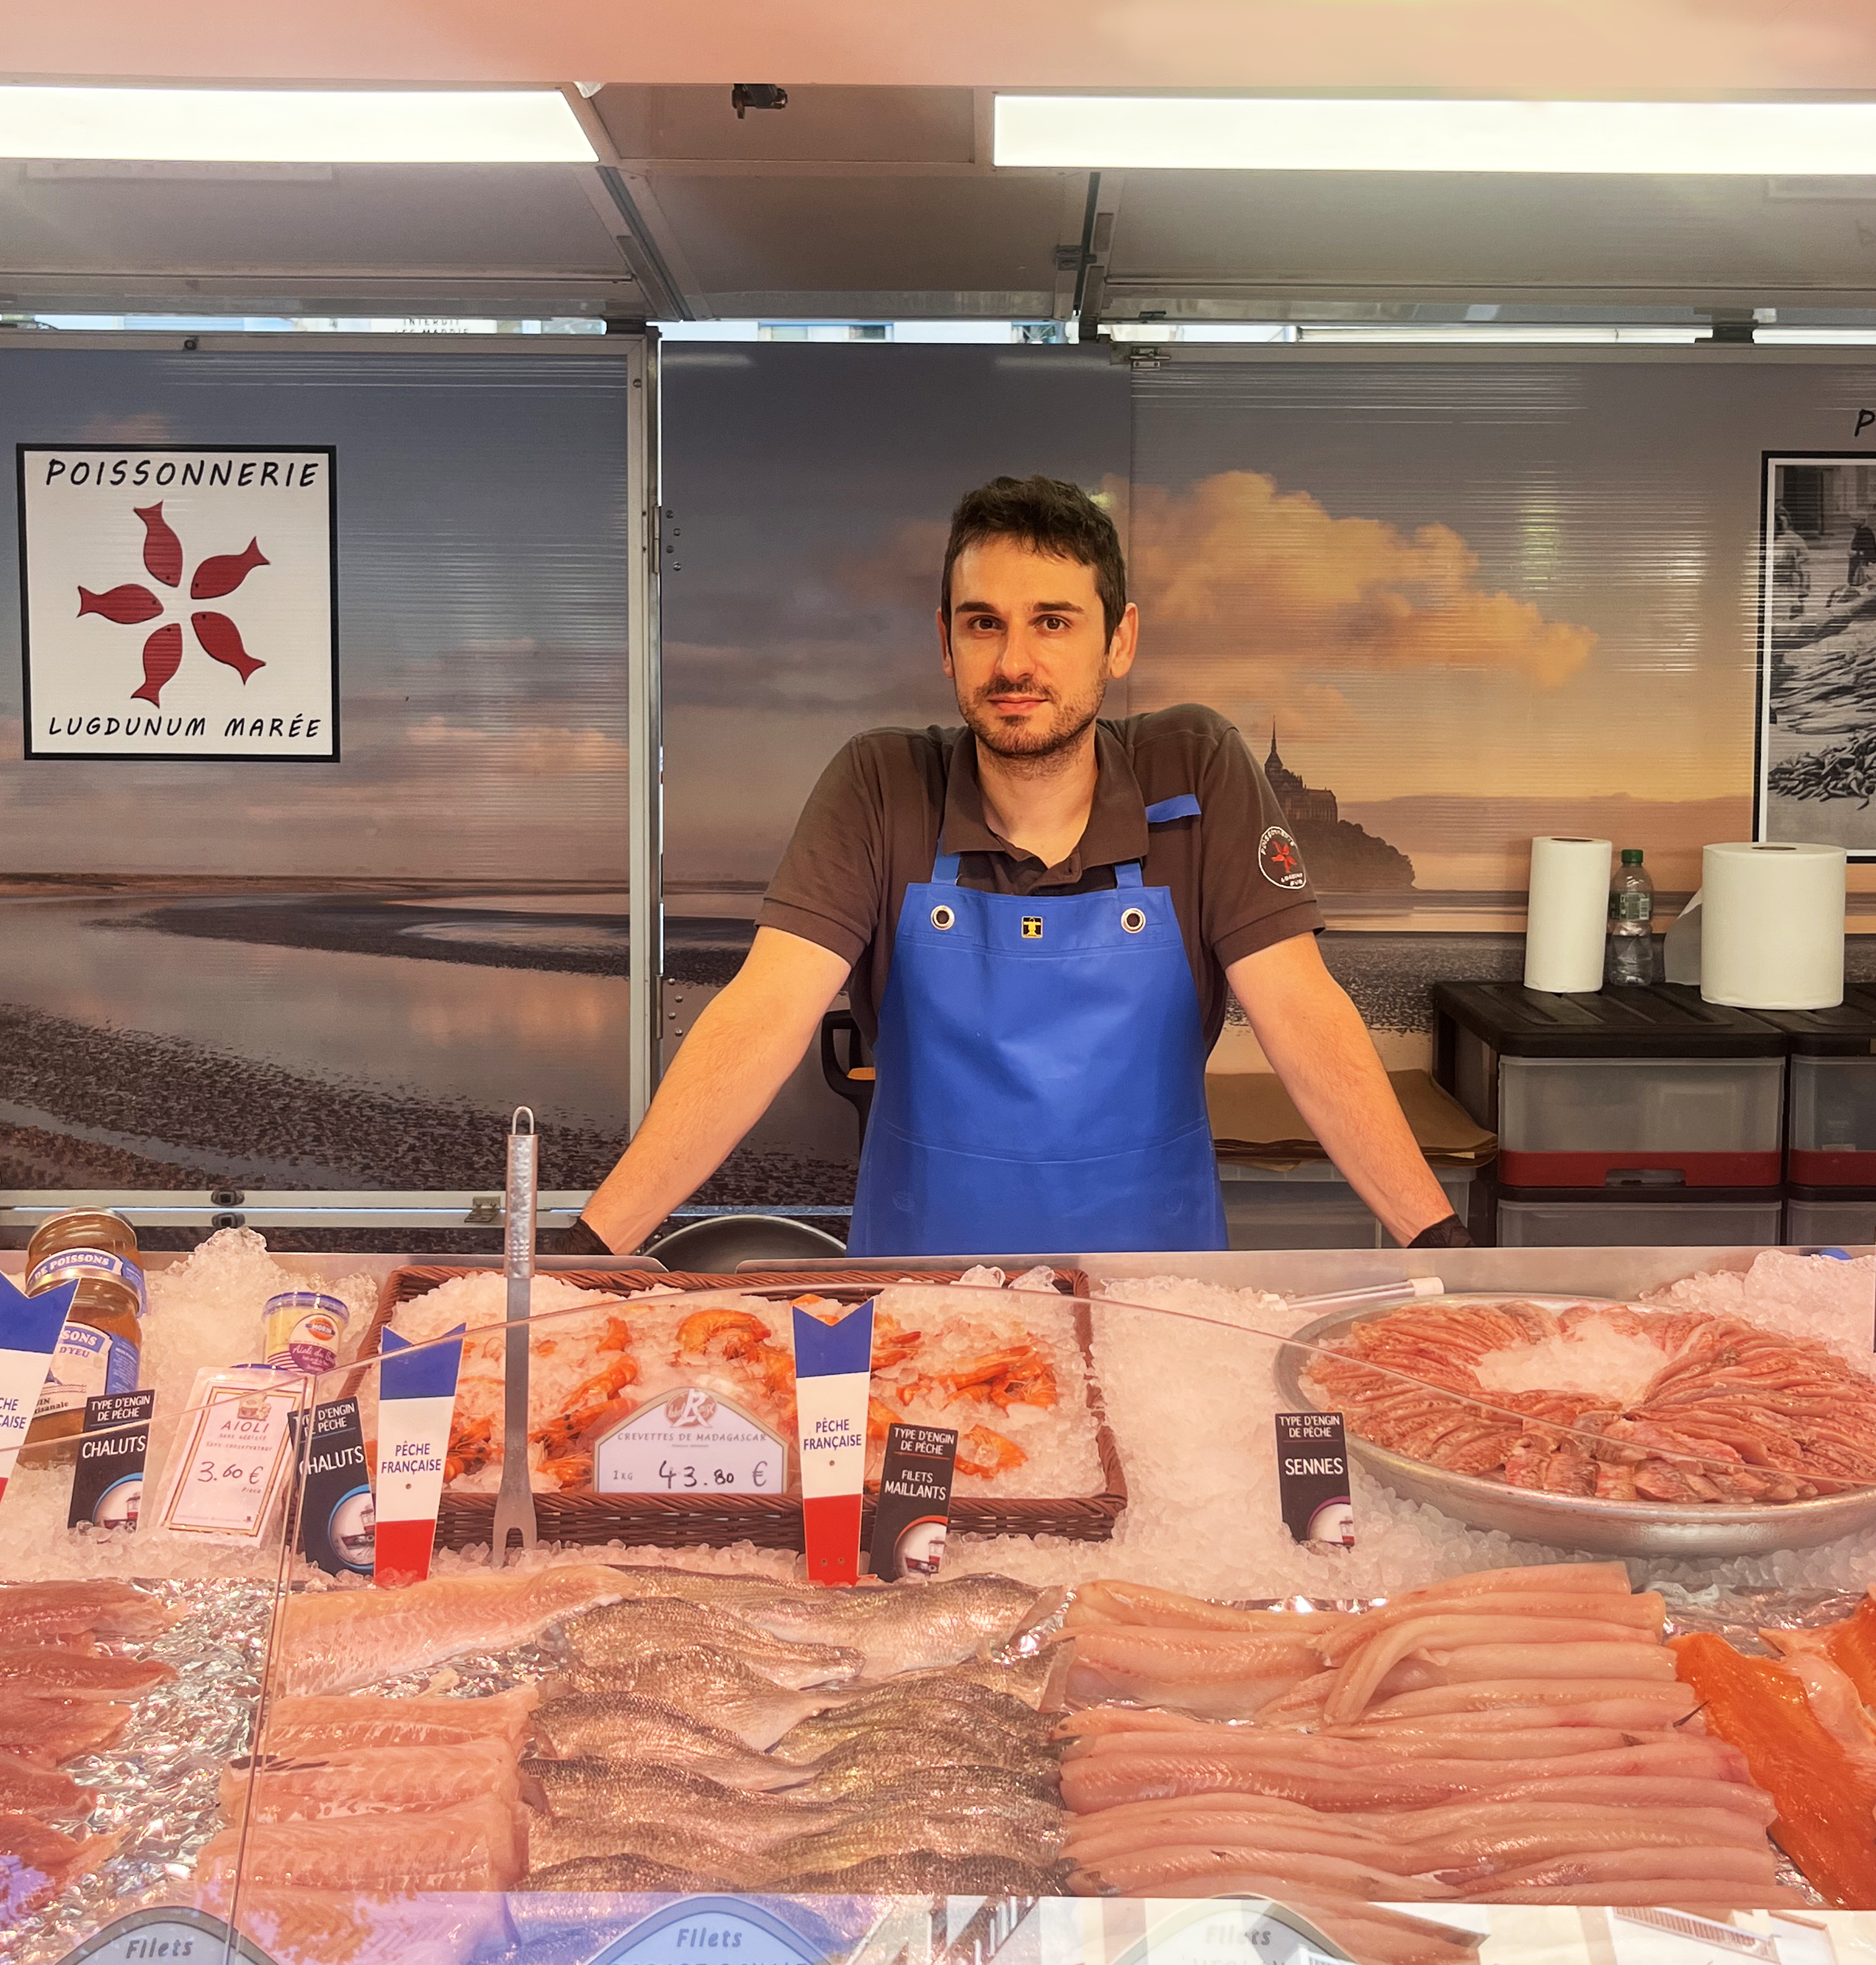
x,y
178,603
1815,757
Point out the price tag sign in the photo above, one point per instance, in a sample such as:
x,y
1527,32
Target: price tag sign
x,y
689,1441
231,1458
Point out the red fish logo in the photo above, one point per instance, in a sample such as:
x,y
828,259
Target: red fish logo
x,y
1281,863
220,574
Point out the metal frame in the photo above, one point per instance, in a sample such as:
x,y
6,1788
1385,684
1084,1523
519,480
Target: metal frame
x,y
637,348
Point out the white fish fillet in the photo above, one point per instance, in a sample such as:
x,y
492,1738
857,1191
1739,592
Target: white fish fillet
x,y
477,1845
317,1722
369,1780
332,1641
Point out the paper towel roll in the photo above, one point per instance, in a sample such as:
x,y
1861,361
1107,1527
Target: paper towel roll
x,y
1569,915
1771,932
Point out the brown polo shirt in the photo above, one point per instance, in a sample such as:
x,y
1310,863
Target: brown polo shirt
x,y
874,824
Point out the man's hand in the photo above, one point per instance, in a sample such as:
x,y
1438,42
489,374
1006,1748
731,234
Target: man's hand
x,y
1321,1049
739,1053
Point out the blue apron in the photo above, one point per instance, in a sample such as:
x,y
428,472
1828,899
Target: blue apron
x,y
1041,1075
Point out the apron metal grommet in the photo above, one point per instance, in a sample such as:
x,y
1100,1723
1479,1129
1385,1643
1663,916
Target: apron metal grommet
x,y
1133,920
942,917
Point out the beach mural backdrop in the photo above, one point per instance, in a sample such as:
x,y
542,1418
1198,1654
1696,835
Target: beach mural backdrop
x,y
341,974
1451,601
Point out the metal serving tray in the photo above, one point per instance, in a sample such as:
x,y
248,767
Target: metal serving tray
x,y
1570,1521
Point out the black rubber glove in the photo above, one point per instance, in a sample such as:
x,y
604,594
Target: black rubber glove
x,y
1450,1233
581,1240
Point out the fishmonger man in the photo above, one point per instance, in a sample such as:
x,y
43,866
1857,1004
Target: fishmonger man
x,y
1037,918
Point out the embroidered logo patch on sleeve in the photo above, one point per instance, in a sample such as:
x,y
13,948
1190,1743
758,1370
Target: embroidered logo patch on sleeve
x,y
1282,864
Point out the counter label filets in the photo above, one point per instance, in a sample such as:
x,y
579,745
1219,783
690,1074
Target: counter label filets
x,y
107,1482
336,1518
833,1375
915,1506
232,1458
1312,1478
416,1401
689,1441
29,1327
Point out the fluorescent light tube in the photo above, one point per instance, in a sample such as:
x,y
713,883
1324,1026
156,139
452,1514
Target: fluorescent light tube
x,y
1298,133
293,125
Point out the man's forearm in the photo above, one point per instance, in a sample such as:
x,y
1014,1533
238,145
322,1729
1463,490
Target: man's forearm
x,y
739,1054
1319,1047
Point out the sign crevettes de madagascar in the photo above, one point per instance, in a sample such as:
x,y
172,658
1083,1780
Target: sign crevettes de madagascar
x,y
179,603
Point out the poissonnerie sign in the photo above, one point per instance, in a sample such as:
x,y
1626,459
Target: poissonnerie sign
x,y
178,603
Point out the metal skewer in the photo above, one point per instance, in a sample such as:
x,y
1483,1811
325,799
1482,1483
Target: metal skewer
x,y
514,1501
1409,1288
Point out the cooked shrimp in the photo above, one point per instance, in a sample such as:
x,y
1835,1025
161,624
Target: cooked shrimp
x,y
998,1453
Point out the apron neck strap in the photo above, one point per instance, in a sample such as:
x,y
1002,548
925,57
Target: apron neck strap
x,y
944,869
1127,873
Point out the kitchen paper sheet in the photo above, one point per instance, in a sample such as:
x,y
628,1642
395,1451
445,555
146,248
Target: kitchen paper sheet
x,y
1771,932
1568,913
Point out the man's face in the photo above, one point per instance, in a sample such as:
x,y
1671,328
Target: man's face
x,y
1027,647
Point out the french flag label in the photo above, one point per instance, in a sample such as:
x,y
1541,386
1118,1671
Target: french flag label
x,y
833,1377
29,1334
417,1399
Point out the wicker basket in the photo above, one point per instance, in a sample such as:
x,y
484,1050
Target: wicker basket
x,y
770,1521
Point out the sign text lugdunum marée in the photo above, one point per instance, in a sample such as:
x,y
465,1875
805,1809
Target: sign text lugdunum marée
x,y
179,603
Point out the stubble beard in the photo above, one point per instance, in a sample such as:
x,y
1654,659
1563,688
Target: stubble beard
x,y
1036,753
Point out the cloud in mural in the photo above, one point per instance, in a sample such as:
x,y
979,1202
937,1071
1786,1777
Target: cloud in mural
x,y
1238,569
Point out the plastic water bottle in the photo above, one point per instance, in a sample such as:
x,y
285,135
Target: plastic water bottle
x,y
1631,948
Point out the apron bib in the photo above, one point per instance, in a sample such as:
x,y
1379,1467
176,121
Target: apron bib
x,y
1041,1076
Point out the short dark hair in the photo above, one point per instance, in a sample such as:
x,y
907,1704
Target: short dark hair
x,y
1049,515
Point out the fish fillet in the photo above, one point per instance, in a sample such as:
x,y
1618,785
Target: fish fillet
x,y
333,1641
903,1626
1154,1869
309,1926
621,1634
37,1862
314,1723
621,1726
56,1729
368,1780
555,1840
1365,1664
626,1791
1644,1612
710,1684
45,1612
477,1845
1220,1674
36,1789
57,1671
1111,1601
587,1881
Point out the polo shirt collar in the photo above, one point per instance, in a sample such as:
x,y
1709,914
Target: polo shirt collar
x,y
1117,821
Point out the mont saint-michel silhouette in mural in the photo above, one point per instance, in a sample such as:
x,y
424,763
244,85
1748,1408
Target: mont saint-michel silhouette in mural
x,y
1343,858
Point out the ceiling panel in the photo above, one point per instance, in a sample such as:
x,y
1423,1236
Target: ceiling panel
x,y
829,125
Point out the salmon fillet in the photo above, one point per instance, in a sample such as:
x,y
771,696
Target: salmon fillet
x,y
300,1725
369,1780
475,1845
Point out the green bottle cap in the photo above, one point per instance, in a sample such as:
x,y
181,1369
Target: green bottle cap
x,y
1631,856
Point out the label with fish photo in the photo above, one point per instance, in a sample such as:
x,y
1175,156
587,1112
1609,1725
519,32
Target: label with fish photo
x,y
338,1521
1312,1478
689,1441
915,1506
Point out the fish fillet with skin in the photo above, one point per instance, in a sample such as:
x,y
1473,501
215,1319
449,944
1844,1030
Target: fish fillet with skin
x,y
711,1685
332,1722
1018,1831
477,1845
589,1790
33,1613
886,1758
608,1725
918,1705
56,1671
308,1927
1219,1674
622,1633
554,1841
903,1626
334,1641
368,1780
1111,1601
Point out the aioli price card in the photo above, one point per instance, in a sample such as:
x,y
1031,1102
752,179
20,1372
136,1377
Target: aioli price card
x,y
231,1457
833,1376
29,1333
417,1399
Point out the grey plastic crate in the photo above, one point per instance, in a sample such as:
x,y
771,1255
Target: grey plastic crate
x,y
1313,1207
1550,1222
